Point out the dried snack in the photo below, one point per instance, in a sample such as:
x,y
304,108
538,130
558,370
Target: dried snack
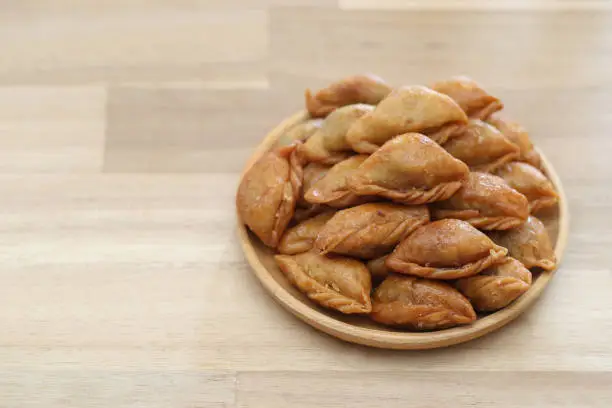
x,y
301,237
299,132
473,99
519,136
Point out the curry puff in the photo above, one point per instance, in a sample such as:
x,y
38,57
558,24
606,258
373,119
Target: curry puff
x,y
328,144
299,132
268,193
301,237
473,99
482,147
496,287
368,89
529,243
445,249
337,283
409,169
332,189
378,269
420,304
519,136
486,202
407,109
369,230
530,182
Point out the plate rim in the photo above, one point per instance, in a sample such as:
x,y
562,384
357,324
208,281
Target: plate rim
x,y
389,339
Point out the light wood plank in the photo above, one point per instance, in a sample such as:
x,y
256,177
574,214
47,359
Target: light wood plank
x,y
52,129
496,5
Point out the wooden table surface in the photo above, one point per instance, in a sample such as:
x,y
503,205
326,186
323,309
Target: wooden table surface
x,y
123,126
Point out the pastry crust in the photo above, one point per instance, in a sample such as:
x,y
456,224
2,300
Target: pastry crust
x,y
368,89
420,304
332,189
519,136
530,182
407,109
496,287
473,99
528,243
339,283
486,202
299,132
328,144
409,169
268,193
482,147
369,230
301,237
445,249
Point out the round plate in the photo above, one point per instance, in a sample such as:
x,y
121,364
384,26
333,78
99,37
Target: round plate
x,y
360,329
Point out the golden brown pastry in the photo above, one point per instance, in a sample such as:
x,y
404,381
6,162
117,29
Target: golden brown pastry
x,y
497,286
486,202
530,182
313,172
529,243
420,304
332,189
468,94
328,144
407,109
299,132
268,193
409,169
482,147
378,269
368,89
369,230
519,136
309,211
445,249
301,237
336,282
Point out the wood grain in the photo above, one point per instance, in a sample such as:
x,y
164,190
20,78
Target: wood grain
x,y
123,129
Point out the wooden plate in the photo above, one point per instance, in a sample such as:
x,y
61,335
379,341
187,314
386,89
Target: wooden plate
x,y
360,329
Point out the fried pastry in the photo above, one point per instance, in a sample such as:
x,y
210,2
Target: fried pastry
x,y
530,182
328,144
299,132
486,202
369,230
529,243
301,237
473,99
497,286
332,189
378,269
409,169
337,282
313,172
420,304
519,136
482,147
407,109
268,193
445,249
368,89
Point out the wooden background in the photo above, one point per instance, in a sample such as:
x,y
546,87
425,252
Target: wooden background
x,y
123,126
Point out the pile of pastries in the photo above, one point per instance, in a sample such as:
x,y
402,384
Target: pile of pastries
x,y
416,206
